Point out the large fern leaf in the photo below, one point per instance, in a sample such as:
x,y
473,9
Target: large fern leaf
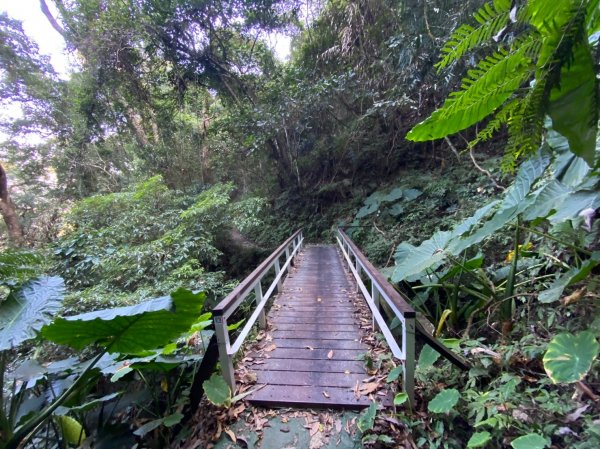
x,y
484,89
491,19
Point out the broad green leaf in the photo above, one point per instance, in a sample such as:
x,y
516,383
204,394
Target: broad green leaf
x,y
413,260
367,210
573,105
25,312
130,330
400,398
216,389
569,278
412,194
95,402
394,374
72,431
148,427
394,195
528,174
172,419
569,357
444,401
367,418
427,357
479,439
395,210
530,441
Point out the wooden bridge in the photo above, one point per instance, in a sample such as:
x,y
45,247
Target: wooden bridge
x,y
312,357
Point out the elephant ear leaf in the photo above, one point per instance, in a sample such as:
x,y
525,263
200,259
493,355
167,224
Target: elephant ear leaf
x,y
569,357
29,308
132,329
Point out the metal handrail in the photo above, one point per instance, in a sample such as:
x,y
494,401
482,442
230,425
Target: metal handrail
x,y
381,289
252,282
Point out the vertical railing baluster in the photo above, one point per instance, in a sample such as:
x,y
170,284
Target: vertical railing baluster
x,y
376,296
258,294
408,347
277,270
227,369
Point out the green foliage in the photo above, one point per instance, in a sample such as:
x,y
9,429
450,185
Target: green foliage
x,y
28,309
366,421
217,391
549,45
479,439
569,357
122,332
530,441
130,330
444,401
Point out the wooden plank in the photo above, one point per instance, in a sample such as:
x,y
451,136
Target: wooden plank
x,y
323,344
314,354
318,335
309,379
309,396
317,327
312,318
314,366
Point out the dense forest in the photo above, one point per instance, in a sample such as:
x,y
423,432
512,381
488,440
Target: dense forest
x,y
454,141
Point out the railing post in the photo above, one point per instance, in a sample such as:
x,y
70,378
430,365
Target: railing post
x,y
376,296
408,341
224,358
287,256
277,270
262,319
357,267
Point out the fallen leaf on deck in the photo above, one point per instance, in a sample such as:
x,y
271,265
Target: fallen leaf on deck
x,y
326,395
314,428
330,354
270,348
369,388
229,432
338,425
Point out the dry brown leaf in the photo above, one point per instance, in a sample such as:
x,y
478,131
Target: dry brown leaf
x,y
330,354
314,428
338,425
369,388
270,348
230,433
573,297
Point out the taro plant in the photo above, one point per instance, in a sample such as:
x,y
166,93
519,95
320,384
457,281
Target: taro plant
x,y
30,303
118,332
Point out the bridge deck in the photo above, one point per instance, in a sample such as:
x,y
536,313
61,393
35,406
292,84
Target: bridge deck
x,y
314,327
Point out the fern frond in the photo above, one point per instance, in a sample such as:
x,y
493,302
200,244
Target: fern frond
x,y
492,18
500,119
484,89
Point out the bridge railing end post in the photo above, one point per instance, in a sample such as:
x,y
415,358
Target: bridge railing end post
x,y
227,370
409,362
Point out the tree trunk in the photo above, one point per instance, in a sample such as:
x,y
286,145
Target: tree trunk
x,y
9,212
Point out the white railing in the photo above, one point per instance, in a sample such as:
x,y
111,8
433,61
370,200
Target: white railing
x,y
358,265
252,283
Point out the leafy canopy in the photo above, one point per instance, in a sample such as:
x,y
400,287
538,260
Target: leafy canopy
x,y
543,65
